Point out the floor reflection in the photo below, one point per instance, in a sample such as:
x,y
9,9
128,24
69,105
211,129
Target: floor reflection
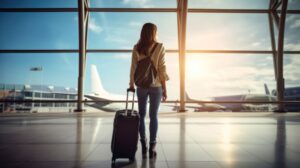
x,y
280,144
183,141
79,132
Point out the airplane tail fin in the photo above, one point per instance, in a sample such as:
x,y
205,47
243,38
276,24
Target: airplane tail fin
x,y
96,84
267,89
187,97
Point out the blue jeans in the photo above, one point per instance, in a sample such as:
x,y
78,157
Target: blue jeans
x,y
155,95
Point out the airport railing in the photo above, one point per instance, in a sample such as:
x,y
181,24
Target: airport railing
x,y
169,101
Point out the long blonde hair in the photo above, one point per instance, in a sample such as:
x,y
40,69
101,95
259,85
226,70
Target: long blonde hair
x,y
147,38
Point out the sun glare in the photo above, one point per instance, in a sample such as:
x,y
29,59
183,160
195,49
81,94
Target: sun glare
x,y
196,68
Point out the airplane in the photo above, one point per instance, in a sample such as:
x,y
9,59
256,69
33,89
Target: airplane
x,y
100,94
235,107
204,106
290,94
249,97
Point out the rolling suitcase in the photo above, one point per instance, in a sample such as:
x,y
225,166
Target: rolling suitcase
x,y
125,132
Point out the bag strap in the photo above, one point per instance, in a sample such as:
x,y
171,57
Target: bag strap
x,y
153,49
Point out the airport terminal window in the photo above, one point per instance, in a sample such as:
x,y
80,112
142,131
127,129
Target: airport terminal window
x,y
292,28
37,94
2,87
61,96
229,4
291,70
65,74
134,4
72,96
123,31
28,94
47,104
228,32
294,4
8,86
28,104
28,30
61,104
211,75
207,75
113,70
38,4
47,95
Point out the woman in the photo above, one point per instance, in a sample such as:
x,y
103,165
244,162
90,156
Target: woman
x,y
156,91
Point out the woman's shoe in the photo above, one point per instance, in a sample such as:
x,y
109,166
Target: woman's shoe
x,y
152,151
144,148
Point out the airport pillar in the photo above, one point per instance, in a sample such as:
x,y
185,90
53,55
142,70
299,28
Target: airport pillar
x,y
280,78
82,29
273,42
181,19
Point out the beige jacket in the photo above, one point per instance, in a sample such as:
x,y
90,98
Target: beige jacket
x,y
158,59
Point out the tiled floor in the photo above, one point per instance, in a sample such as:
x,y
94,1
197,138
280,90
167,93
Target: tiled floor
x,y
190,140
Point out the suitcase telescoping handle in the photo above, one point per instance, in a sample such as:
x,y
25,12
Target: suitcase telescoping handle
x,y
133,91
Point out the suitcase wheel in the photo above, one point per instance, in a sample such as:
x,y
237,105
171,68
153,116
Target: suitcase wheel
x,y
132,159
113,160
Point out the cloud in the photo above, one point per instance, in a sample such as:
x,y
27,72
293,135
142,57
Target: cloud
x,y
292,46
139,3
122,56
66,59
290,18
255,44
295,24
94,27
135,24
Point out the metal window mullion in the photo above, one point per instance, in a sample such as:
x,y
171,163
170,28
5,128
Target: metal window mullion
x,y
201,10
230,51
277,5
124,101
38,9
40,51
132,9
82,52
129,51
280,78
272,38
86,25
179,11
275,18
271,3
182,8
191,10
292,11
275,2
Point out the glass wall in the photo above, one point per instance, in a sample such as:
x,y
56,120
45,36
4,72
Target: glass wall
x,y
107,78
38,4
38,77
133,4
228,32
292,31
123,31
32,30
227,54
211,75
229,4
291,70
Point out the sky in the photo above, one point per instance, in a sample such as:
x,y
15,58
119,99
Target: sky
x,y
207,75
